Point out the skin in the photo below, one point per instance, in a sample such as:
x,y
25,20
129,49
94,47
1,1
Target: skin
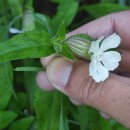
x,y
112,96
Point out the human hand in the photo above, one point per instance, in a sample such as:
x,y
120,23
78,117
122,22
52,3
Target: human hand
x,y
72,78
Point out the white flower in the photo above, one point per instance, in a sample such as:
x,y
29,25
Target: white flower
x,y
102,59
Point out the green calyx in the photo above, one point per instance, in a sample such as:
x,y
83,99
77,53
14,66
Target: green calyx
x,y
28,20
79,44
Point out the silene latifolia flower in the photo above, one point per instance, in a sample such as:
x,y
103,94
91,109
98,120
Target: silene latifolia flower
x,y
102,55
28,22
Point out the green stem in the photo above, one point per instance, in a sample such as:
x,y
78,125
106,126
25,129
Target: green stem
x,y
29,3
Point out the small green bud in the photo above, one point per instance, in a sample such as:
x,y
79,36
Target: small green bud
x,y
28,20
79,44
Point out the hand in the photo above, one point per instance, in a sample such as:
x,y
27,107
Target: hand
x,y
112,96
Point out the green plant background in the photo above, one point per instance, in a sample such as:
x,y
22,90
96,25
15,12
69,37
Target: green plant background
x,y
23,106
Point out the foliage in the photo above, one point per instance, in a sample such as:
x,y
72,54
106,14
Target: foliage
x,y
23,105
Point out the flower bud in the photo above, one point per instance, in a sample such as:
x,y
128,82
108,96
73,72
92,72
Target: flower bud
x,y
28,20
79,44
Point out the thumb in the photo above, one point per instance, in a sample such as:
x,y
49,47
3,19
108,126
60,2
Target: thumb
x,y
111,96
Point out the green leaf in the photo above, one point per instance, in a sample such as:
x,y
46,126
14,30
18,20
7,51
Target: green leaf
x,y
63,124
99,10
105,124
35,125
47,107
44,21
30,83
22,124
19,103
60,35
58,38
88,118
16,7
108,1
60,47
28,68
67,10
6,117
6,88
54,116
26,45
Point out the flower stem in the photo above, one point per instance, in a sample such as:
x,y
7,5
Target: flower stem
x,y
29,3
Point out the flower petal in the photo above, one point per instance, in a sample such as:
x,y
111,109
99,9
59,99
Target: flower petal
x,y
109,65
98,71
112,56
14,30
112,41
102,71
93,71
95,45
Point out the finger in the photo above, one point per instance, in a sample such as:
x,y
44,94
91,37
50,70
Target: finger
x,y
125,61
96,28
43,82
104,26
75,102
111,96
46,60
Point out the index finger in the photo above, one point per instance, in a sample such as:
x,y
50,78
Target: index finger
x,y
104,26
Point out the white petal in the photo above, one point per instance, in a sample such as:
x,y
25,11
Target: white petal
x,y
112,56
93,71
102,71
109,65
112,41
95,45
98,71
14,30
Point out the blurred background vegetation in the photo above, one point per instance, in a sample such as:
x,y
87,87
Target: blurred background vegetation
x,y
23,106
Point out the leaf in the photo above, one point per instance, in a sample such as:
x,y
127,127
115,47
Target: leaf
x,y
108,1
99,10
44,21
35,125
54,115
30,83
63,124
16,6
66,11
22,124
28,68
47,107
26,45
6,117
58,38
60,47
19,103
88,118
6,88
105,124
60,35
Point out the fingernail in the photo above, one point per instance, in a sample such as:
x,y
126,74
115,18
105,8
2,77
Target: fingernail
x,y
43,82
105,116
58,72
